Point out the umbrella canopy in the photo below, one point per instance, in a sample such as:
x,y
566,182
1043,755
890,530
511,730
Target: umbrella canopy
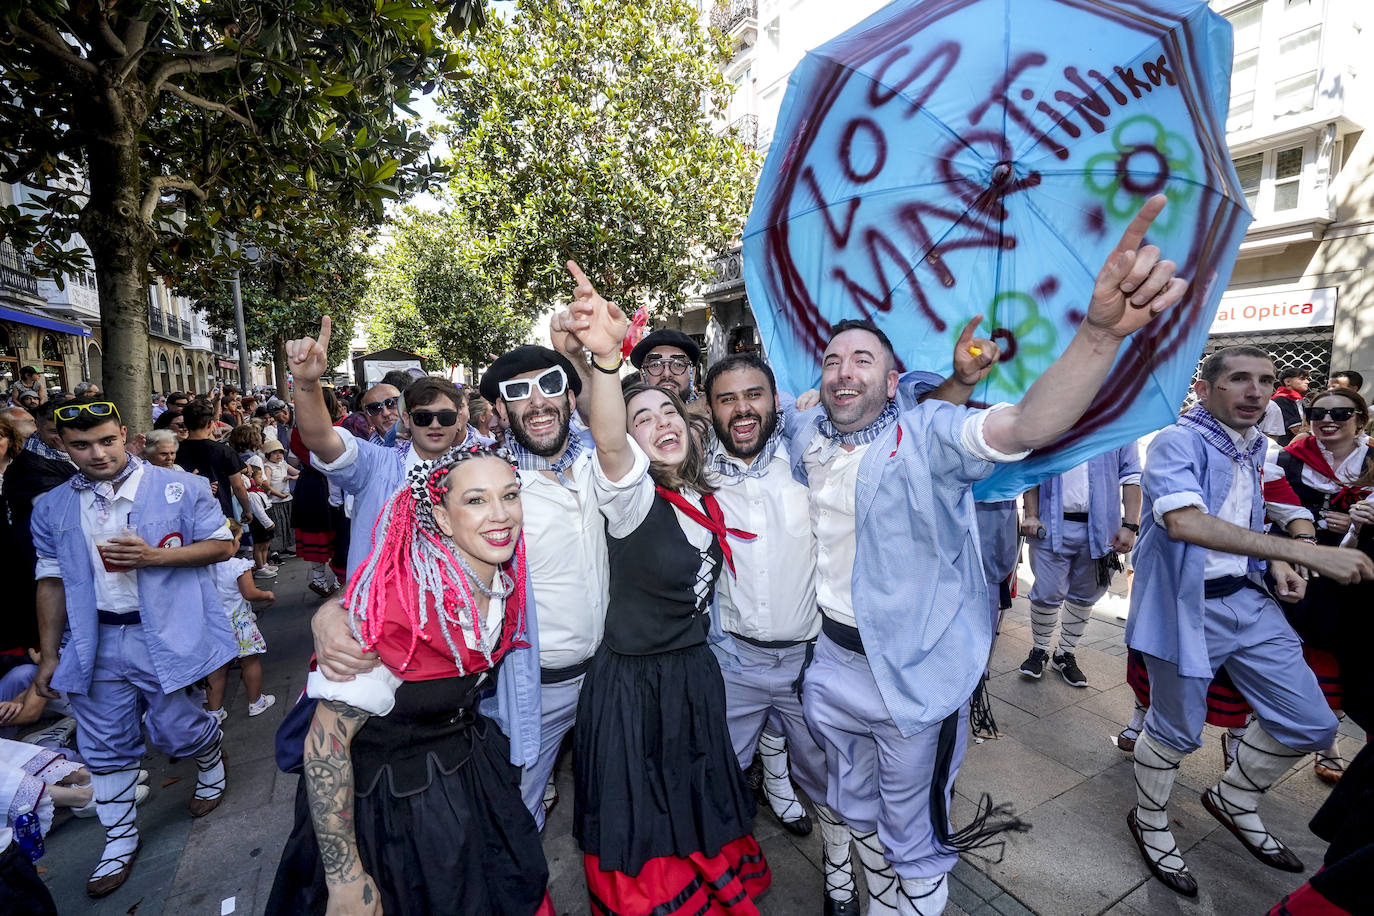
x,y
950,158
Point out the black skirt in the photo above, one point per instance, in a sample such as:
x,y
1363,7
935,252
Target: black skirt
x,y
655,773
464,844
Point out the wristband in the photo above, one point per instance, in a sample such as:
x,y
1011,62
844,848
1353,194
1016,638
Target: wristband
x,y
1309,538
1131,526
613,370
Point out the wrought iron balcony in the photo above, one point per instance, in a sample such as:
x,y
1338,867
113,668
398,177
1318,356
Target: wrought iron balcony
x,y
155,323
14,271
727,274
726,16
185,330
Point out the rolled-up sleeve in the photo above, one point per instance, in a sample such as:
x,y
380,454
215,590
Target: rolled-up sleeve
x,y
1174,501
972,438
625,502
1172,476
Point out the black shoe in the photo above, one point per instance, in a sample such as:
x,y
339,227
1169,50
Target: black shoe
x,y
800,827
835,907
1067,665
274,558
1034,665
1282,858
1180,882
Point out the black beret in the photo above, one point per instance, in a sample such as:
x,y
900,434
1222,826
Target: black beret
x,y
528,358
667,337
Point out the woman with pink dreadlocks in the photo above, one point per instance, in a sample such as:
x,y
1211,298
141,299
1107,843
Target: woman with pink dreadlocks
x,y
415,805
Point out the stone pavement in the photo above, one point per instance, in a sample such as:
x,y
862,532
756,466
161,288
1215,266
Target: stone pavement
x,y
1054,763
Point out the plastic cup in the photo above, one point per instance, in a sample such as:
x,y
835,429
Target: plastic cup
x,y
104,542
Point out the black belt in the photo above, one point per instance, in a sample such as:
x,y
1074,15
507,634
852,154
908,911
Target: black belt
x,y
559,675
1225,586
111,619
1075,516
843,635
769,643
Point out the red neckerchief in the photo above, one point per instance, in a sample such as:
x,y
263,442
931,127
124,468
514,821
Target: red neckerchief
x,y
713,521
1307,451
1283,391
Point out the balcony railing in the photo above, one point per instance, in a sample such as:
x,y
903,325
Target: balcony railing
x,y
185,330
14,272
725,16
155,321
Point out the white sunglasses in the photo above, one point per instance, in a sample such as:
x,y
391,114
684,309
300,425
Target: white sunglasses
x,y
552,382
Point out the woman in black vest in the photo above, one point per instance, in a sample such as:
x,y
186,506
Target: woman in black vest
x,y
662,811
1331,471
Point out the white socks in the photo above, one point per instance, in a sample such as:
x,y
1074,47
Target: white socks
x,y
839,865
883,885
1043,622
115,795
1260,761
1074,622
210,763
777,783
1156,766
923,896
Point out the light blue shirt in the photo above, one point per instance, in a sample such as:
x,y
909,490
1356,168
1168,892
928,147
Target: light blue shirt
x,y
1107,474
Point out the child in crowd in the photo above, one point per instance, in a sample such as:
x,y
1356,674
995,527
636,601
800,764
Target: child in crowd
x,y
278,475
234,580
261,524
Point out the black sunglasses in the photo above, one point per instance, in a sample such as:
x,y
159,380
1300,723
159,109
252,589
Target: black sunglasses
x,y
426,417
377,407
1339,414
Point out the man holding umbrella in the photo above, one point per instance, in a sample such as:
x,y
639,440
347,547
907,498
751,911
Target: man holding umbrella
x,y
898,656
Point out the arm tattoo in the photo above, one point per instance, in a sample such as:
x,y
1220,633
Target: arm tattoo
x,y
329,786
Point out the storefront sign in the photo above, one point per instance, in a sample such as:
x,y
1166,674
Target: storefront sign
x,y
1300,308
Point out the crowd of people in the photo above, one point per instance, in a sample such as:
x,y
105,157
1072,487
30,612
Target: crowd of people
x,y
688,579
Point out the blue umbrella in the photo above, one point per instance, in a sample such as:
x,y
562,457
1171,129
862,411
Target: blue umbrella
x,y
949,158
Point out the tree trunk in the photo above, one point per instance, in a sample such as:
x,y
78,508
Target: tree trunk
x,y
120,243
279,366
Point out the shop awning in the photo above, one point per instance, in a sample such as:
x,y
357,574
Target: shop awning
x,y
44,321
228,364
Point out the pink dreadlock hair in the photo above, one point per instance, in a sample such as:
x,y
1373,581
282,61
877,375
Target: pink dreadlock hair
x,y
415,566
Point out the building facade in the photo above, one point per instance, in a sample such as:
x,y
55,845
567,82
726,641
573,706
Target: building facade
x,y
1299,105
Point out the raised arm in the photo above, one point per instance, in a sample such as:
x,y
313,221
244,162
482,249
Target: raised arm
x,y
973,360
1133,287
601,327
309,362
329,784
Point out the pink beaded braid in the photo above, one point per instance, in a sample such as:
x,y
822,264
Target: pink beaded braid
x,y
412,564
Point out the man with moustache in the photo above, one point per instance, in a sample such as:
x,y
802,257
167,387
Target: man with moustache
x,y
905,629
668,359
534,391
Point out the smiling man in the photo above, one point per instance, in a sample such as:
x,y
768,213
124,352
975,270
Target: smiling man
x,y
668,358
129,617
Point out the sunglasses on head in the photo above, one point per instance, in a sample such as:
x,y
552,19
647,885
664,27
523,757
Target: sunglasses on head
x,y
377,407
657,365
552,382
1339,414
101,409
427,417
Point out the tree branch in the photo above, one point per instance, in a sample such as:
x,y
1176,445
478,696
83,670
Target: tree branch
x,y
206,104
189,65
43,35
163,182
112,40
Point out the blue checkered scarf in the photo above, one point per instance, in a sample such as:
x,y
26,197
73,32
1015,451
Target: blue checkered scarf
x,y
1210,428
527,460
43,449
104,490
726,465
869,433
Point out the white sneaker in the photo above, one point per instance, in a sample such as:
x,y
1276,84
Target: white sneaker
x,y
265,572
262,705
219,714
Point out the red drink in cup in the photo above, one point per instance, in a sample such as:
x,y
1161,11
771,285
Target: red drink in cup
x,y
102,543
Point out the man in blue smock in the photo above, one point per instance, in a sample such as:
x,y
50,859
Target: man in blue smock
x,y
1090,512
905,629
1200,601
129,616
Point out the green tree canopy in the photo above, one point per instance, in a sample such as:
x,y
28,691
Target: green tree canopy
x,y
431,293
156,127
588,129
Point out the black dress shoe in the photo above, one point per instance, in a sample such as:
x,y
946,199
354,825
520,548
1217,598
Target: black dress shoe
x,y
1283,859
800,827
1180,882
835,907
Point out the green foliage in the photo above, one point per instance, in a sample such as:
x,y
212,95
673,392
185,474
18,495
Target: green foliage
x,y
430,294
587,129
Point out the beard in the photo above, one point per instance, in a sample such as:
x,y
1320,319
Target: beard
x,y
554,443
766,426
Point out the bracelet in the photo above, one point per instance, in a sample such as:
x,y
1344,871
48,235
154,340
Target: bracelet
x,y
613,370
1309,538
1131,526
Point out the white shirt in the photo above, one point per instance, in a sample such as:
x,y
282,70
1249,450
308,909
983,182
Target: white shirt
x,y
1272,422
626,503
1074,486
565,546
772,596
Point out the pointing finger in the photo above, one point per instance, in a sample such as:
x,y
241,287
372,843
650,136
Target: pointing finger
x,y
1141,222
966,335
325,327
